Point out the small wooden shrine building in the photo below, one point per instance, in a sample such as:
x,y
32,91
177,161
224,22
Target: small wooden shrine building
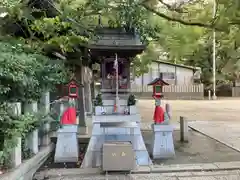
x,y
112,43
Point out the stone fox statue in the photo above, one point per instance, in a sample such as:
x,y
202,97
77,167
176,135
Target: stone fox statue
x,y
161,116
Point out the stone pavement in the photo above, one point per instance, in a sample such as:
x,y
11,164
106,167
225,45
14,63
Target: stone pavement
x,y
217,175
226,132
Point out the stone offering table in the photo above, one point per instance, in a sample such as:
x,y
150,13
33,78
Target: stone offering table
x,y
163,146
67,144
115,128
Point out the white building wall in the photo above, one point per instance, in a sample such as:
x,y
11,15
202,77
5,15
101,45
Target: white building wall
x,y
166,68
183,75
155,70
138,81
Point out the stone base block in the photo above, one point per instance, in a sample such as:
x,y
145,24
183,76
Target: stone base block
x,y
163,146
16,154
32,141
100,135
67,145
83,130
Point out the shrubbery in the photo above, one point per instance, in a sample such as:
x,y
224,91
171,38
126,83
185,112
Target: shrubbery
x,y
24,76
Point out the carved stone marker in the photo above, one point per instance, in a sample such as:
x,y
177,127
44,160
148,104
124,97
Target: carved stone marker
x,y
163,146
67,144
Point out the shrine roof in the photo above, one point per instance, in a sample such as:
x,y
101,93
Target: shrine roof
x,y
117,39
156,81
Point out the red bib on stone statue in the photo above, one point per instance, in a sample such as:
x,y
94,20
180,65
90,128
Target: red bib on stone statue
x,y
158,115
69,116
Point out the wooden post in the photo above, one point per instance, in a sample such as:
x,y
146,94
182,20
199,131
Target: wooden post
x,y
16,154
81,102
183,129
93,89
88,97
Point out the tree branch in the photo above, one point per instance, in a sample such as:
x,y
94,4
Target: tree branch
x,y
188,23
172,7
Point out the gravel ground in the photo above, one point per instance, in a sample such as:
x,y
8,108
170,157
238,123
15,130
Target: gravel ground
x,y
219,110
200,149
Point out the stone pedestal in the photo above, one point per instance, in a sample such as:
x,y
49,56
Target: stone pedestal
x,y
46,138
16,154
45,108
163,146
30,107
67,145
115,128
32,141
45,103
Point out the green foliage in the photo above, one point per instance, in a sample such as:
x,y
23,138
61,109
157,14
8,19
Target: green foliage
x,y
131,100
140,63
24,76
161,24
98,100
52,31
12,127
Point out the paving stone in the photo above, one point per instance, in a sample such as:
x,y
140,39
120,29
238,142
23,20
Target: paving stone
x,y
117,177
227,133
177,174
228,165
67,172
142,169
150,177
183,167
228,177
214,173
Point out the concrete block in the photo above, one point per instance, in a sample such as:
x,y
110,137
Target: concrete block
x,y
163,146
183,167
46,138
45,102
16,108
32,141
16,155
228,165
31,107
83,130
67,145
